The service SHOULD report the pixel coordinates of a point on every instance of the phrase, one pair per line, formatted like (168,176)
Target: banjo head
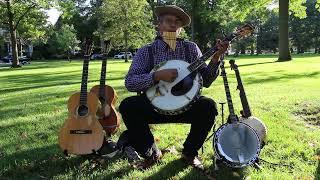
(161,96)
(237,144)
(257,125)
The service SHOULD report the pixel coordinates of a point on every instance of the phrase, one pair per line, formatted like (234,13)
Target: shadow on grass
(169,170)
(273,78)
(317,173)
(48,162)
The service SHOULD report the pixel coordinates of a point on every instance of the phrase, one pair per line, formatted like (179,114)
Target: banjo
(235,143)
(246,115)
(172,98)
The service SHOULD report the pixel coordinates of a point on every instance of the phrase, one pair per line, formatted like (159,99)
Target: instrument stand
(257,165)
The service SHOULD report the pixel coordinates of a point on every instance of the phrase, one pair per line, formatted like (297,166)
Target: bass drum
(258,126)
(236,144)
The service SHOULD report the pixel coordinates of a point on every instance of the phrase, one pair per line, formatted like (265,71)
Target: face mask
(171,39)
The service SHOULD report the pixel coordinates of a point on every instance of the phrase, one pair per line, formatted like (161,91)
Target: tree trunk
(126,35)
(259,51)
(284,53)
(192,19)
(13,37)
(252,49)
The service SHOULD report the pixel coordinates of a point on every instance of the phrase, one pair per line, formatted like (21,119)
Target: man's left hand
(222,47)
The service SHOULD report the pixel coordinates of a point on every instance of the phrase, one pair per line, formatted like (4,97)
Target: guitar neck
(227,89)
(243,97)
(103,78)
(84,81)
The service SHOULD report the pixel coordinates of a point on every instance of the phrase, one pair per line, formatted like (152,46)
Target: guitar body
(107,113)
(81,133)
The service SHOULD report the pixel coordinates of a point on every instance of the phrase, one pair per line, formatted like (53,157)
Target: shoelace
(131,154)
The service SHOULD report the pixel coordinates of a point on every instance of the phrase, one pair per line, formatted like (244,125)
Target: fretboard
(84,81)
(200,61)
(243,97)
(103,78)
(227,90)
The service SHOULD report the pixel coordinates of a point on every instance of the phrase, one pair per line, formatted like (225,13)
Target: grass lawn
(285,95)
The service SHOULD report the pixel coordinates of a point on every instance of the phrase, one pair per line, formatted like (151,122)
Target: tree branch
(25,13)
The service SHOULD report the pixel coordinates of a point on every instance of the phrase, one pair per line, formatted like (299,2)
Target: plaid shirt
(139,77)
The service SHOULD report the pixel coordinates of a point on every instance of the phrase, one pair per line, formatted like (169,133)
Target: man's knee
(127,104)
(208,105)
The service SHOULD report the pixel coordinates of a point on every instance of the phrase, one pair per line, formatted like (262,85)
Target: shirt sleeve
(139,77)
(209,72)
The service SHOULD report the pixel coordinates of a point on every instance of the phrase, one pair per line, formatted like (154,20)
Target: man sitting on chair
(137,111)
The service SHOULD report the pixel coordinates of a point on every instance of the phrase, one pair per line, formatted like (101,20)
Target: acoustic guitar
(82,133)
(107,114)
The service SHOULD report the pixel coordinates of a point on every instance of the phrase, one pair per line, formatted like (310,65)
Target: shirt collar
(163,45)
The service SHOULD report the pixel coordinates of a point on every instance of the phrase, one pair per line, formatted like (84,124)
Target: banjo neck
(244,101)
(233,117)
(239,33)
(201,61)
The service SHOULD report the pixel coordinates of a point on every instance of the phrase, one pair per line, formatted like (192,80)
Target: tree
(127,23)
(20,12)
(284,52)
(66,40)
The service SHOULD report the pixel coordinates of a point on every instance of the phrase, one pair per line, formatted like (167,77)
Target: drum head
(237,144)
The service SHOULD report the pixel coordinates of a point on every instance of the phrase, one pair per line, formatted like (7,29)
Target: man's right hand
(168,75)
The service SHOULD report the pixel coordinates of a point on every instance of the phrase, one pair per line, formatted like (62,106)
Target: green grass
(285,95)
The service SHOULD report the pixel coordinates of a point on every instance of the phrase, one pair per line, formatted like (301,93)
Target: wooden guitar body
(107,114)
(81,133)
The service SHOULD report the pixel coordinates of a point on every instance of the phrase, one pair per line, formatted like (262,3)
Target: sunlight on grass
(33,107)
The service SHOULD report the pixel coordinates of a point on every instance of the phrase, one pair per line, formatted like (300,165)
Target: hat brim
(174,10)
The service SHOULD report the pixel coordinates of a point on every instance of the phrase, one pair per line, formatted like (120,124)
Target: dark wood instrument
(232,116)
(246,114)
(82,133)
(107,114)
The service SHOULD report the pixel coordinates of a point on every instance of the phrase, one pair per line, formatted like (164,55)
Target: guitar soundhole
(183,86)
(102,100)
(82,110)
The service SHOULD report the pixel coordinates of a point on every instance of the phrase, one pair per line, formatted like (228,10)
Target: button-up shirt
(139,77)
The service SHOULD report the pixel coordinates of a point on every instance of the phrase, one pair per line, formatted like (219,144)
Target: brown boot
(151,160)
(194,161)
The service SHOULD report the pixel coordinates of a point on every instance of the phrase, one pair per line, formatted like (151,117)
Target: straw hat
(174,10)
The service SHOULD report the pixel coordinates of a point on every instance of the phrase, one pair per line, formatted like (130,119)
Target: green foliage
(133,17)
(29,17)
(65,39)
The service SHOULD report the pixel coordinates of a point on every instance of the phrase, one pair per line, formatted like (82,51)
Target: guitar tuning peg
(224,34)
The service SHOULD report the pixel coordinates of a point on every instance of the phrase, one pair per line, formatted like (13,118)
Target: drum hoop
(226,161)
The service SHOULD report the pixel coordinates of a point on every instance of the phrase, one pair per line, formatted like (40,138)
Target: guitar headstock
(106,46)
(244,31)
(88,47)
(233,65)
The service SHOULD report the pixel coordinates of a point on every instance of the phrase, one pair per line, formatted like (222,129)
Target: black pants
(137,113)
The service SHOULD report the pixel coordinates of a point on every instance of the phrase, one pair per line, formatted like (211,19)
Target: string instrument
(246,115)
(235,143)
(82,133)
(172,98)
(107,114)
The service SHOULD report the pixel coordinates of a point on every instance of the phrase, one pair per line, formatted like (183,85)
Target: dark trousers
(137,113)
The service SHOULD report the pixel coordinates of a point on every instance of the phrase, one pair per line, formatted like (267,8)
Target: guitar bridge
(80,131)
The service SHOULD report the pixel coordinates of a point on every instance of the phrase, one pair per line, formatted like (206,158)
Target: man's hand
(168,75)
(222,47)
